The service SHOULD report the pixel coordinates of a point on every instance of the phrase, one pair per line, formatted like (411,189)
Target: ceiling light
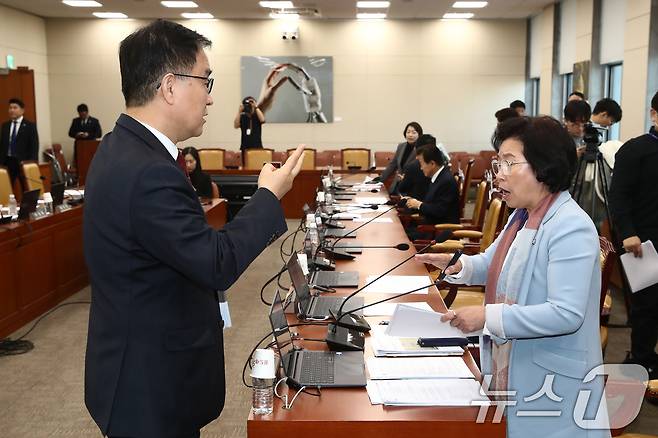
(82,3)
(370,16)
(284,16)
(276,5)
(110,15)
(458,15)
(179,4)
(470,5)
(197,15)
(373,4)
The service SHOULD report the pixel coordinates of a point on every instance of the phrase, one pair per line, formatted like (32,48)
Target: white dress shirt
(166,142)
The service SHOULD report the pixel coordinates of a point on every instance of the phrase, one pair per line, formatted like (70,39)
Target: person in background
(606,113)
(85,127)
(506,113)
(634,210)
(413,183)
(576,114)
(199,179)
(519,107)
(543,285)
(249,120)
(575,95)
(20,139)
(405,153)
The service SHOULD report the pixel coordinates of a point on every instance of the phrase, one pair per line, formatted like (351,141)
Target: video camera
(592,139)
(247,105)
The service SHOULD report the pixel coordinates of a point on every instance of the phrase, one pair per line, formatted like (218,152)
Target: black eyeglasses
(209,82)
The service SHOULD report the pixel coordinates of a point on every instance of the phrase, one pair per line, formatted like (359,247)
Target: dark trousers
(196,434)
(644,326)
(13,166)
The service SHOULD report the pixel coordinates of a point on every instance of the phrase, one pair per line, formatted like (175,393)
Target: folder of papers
(386,368)
(641,272)
(391,346)
(426,392)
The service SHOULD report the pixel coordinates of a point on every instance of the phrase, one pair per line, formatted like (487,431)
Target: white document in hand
(411,322)
(641,272)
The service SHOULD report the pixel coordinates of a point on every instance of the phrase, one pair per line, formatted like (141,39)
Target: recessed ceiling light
(469,5)
(373,4)
(179,4)
(82,3)
(276,5)
(458,15)
(280,16)
(197,15)
(110,15)
(370,16)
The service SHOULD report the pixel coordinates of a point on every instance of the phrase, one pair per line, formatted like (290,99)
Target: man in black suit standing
(85,127)
(154,365)
(440,204)
(20,140)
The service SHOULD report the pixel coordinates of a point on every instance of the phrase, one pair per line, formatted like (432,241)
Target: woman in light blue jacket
(543,279)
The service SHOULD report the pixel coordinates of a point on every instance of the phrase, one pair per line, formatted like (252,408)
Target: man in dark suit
(441,202)
(20,140)
(154,364)
(85,127)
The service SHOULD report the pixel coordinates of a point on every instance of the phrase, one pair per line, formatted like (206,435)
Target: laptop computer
(314,368)
(337,232)
(57,192)
(316,307)
(28,204)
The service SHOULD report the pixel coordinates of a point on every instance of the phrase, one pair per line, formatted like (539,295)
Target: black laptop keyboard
(317,368)
(325,304)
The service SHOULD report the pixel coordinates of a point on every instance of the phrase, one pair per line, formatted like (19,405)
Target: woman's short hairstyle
(547,146)
(416,126)
(192,151)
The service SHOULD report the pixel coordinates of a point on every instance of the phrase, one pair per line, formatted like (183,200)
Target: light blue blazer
(554,327)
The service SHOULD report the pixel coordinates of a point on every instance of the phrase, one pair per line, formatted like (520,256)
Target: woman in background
(404,154)
(200,180)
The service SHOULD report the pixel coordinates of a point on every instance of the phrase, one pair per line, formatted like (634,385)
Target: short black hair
(654,102)
(425,140)
(149,53)
(547,146)
(577,111)
(577,93)
(517,104)
(83,108)
(609,106)
(191,150)
(416,126)
(506,113)
(17,101)
(430,152)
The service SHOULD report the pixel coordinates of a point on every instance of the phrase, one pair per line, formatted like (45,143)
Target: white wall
(449,76)
(24,36)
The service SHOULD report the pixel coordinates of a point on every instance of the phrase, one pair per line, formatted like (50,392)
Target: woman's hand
(467,319)
(440,261)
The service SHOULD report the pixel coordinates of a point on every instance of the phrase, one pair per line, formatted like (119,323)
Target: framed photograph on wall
(581,77)
(290,89)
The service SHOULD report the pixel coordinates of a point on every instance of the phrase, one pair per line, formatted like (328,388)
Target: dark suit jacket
(415,183)
(441,203)
(27,141)
(155,364)
(92,127)
(396,163)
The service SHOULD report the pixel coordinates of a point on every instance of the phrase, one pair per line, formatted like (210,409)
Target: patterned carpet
(41,392)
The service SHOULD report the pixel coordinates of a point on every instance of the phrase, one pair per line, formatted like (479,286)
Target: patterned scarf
(500,353)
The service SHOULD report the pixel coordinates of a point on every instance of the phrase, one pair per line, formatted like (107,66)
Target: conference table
(348,411)
(42,262)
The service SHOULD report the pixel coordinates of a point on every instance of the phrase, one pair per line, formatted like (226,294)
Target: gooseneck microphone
(339,335)
(399,246)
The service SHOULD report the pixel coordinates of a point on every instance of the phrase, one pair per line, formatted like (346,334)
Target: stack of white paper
(387,309)
(379,219)
(397,284)
(385,368)
(372,200)
(426,392)
(409,321)
(391,346)
(641,272)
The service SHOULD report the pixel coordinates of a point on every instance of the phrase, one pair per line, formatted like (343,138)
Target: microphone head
(374,190)
(402,246)
(373,206)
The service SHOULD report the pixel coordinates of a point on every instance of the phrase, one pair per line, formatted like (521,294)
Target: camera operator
(606,113)
(249,119)
(576,114)
(634,209)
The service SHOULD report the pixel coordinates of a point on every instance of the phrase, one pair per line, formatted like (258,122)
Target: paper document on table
(387,309)
(641,272)
(427,392)
(377,200)
(411,322)
(391,346)
(386,220)
(397,284)
(345,216)
(418,368)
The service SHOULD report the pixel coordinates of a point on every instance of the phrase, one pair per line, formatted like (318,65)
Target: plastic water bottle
(313,235)
(263,396)
(13,206)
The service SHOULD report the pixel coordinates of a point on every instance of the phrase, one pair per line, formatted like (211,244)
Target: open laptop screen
(281,331)
(299,281)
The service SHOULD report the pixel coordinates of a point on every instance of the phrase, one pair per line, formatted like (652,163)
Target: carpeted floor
(41,392)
